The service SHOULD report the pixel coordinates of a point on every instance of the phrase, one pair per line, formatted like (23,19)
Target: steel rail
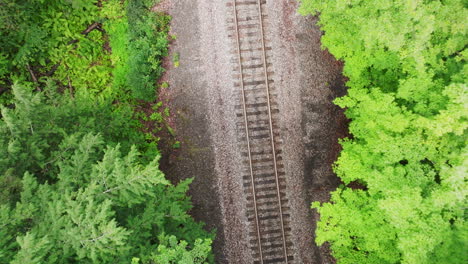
(247,136)
(267,87)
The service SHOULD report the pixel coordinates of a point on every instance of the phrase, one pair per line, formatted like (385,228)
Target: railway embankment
(252,102)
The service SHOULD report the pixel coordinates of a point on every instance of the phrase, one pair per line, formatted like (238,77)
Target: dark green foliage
(148,42)
(406,63)
(79,180)
(71,193)
(35,128)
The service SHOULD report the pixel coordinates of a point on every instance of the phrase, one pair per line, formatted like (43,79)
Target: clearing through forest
(252,102)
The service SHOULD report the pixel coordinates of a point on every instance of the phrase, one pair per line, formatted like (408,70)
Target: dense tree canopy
(79,178)
(407,102)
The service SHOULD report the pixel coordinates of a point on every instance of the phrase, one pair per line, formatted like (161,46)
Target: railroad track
(259,142)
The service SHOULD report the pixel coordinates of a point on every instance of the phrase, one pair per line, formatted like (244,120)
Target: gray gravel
(202,98)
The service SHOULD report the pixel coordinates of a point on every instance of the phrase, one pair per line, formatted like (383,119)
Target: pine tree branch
(57,157)
(112,189)
(121,186)
(92,240)
(33,76)
(70,87)
(95,25)
(52,70)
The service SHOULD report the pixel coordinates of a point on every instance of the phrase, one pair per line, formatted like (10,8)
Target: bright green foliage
(117,28)
(60,40)
(171,251)
(408,105)
(139,41)
(46,36)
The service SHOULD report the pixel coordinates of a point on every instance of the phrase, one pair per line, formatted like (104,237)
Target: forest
(79,172)
(407,101)
(81,123)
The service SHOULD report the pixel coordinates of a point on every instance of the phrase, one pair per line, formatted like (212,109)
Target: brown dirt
(163,6)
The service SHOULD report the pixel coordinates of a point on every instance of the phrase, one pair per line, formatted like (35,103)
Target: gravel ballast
(202,98)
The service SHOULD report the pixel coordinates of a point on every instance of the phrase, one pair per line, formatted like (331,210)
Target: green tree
(407,102)
(83,197)
(79,179)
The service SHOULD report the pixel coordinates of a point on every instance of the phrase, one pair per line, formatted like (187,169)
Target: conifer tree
(79,176)
(73,197)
